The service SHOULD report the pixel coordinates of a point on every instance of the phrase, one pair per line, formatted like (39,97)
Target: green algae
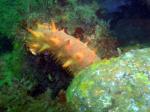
(11,64)
(118,85)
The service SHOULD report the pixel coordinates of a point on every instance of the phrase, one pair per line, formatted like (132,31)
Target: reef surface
(117,85)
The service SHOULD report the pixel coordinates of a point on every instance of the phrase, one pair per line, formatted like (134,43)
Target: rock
(117,85)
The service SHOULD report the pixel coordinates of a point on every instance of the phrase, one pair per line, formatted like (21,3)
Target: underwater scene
(74,55)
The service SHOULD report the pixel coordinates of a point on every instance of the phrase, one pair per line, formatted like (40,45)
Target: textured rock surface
(117,85)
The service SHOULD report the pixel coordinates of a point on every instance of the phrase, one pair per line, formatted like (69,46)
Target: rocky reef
(116,85)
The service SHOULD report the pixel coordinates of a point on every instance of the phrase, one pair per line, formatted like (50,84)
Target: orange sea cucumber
(69,51)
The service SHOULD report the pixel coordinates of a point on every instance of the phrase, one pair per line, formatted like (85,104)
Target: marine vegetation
(82,65)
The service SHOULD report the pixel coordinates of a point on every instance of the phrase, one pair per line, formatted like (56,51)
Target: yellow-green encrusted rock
(117,85)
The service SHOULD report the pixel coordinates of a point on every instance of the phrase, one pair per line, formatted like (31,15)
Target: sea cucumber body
(69,51)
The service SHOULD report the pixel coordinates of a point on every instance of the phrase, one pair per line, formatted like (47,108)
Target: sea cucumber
(69,51)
